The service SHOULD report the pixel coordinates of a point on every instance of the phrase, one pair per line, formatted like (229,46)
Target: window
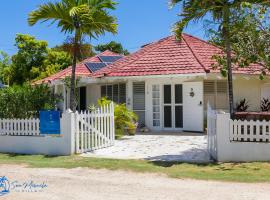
(167,99)
(216,93)
(156,105)
(139,101)
(178,88)
(115,92)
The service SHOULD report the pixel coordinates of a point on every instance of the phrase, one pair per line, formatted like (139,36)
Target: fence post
(113,128)
(68,130)
(223,134)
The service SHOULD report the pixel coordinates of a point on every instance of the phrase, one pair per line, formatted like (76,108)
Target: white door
(193,106)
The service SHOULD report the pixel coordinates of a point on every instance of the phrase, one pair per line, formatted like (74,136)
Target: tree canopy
(112,46)
(250,38)
(33,61)
(85,49)
(5,69)
(221,12)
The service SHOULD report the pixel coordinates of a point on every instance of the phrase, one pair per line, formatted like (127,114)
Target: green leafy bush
(124,117)
(26,101)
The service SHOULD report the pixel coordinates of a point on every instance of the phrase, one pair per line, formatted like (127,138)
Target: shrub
(124,117)
(26,101)
(265,105)
(242,106)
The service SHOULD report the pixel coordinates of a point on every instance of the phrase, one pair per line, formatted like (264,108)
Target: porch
(170,103)
(178,147)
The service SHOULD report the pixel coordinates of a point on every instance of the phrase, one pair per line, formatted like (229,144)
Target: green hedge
(26,101)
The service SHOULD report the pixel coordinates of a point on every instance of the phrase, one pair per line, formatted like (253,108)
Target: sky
(139,22)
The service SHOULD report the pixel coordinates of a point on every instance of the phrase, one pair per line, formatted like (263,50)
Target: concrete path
(177,147)
(85,184)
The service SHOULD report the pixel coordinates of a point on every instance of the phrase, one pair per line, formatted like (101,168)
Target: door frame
(172,104)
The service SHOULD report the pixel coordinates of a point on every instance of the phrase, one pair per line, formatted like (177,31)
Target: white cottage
(168,83)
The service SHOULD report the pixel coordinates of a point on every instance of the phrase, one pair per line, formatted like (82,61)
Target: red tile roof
(170,56)
(81,68)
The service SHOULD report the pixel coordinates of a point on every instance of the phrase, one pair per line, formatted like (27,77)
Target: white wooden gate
(212,132)
(95,129)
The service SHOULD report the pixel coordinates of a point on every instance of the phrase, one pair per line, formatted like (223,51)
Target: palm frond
(91,15)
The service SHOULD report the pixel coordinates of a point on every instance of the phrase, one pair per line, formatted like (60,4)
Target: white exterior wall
(249,87)
(45,145)
(250,90)
(149,107)
(228,151)
(59,89)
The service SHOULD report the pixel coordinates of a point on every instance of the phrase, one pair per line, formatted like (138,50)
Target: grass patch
(237,172)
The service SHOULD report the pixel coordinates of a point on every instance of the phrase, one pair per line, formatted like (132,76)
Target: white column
(129,94)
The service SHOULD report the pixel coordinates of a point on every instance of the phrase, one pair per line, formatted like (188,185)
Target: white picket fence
(249,131)
(211,132)
(19,127)
(94,130)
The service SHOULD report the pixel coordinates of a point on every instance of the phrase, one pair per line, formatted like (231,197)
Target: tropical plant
(220,12)
(26,101)
(81,18)
(242,105)
(265,105)
(124,117)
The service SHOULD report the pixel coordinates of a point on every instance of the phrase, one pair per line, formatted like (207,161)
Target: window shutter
(209,87)
(109,92)
(115,93)
(122,93)
(103,91)
(139,101)
(139,96)
(222,87)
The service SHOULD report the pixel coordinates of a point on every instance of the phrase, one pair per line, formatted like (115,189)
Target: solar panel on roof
(95,66)
(110,59)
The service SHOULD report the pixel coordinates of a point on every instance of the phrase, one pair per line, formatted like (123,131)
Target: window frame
(119,92)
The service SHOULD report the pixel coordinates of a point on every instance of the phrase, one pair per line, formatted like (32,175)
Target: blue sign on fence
(49,122)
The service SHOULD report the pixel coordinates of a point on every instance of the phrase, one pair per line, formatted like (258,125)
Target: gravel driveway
(85,184)
(182,147)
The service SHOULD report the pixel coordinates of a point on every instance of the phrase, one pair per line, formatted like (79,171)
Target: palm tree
(221,12)
(78,17)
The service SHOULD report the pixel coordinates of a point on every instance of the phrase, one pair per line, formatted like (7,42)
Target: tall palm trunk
(226,35)
(73,75)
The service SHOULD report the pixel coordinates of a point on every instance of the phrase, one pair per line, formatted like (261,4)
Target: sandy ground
(80,184)
(156,147)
